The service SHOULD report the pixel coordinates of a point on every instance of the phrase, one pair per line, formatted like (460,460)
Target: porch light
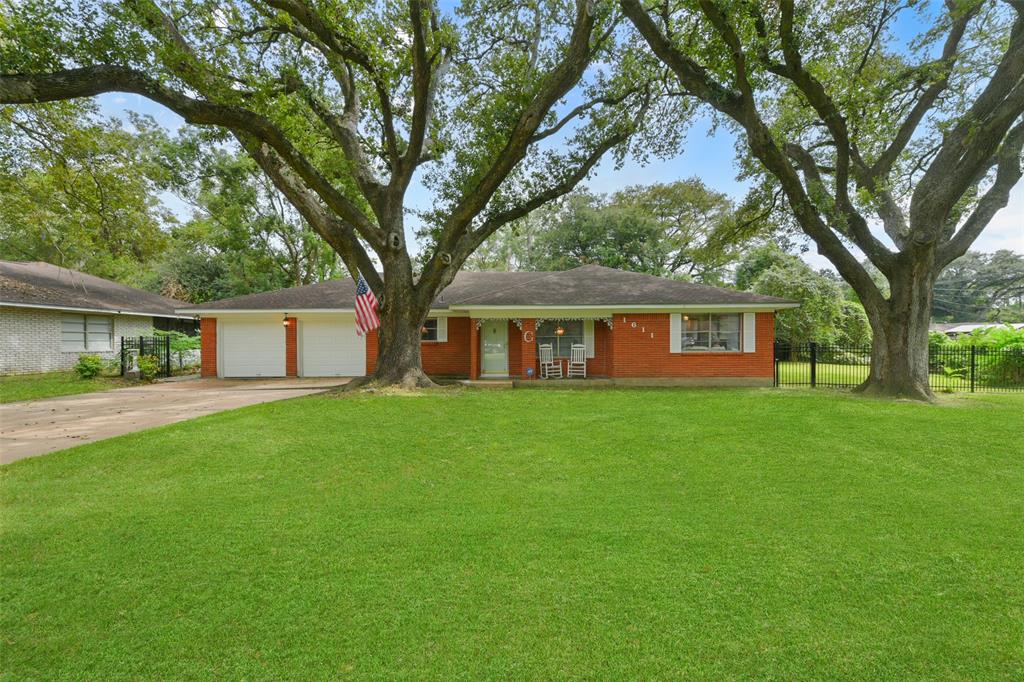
(285,320)
(559,331)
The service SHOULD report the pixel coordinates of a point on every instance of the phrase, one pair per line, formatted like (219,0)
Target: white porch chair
(578,361)
(549,367)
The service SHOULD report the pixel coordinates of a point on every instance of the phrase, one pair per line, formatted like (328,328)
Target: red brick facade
(643,351)
(291,347)
(208,347)
(622,351)
(449,359)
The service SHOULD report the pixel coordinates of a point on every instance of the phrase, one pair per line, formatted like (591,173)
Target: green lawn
(50,385)
(797,373)
(528,534)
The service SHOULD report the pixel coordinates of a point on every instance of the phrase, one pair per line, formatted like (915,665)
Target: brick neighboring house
(50,315)
(636,329)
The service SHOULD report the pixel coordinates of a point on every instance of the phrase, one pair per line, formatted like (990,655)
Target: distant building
(955,329)
(51,315)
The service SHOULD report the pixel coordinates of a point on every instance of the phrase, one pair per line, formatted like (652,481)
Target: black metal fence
(950,368)
(133,347)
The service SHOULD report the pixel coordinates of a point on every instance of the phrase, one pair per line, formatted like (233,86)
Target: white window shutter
(588,337)
(749,332)
(675,333)
(442,329)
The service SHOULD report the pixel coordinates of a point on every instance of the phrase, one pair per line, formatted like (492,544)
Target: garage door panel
(331,347)
(253,348)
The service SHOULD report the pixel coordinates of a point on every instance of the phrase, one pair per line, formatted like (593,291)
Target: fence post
(973,364)
(122,357)
(775,361)
(814,364)
(167,356)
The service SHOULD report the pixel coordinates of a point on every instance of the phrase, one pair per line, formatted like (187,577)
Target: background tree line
(93,194)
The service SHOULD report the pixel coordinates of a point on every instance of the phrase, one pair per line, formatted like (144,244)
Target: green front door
(494,347)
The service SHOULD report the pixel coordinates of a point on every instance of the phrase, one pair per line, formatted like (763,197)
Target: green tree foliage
(821,302)
(680,229)
(343,105)
(981,287)
(824,315)
(79,191)
(864,127)
(243,236)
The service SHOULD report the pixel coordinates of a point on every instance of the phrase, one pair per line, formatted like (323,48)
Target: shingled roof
(50,286)
(588,285)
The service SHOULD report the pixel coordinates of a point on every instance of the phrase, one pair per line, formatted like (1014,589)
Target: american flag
(366,308)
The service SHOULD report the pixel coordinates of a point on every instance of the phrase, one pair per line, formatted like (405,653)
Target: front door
(494,348)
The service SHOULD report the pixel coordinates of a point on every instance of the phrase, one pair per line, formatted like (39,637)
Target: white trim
(749,332)
(502,311)
(210,312)
(597,311)
(442,329)
(100,311)
(588,337)
(675,333)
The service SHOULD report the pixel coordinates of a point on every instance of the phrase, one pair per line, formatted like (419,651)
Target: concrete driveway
(38,427)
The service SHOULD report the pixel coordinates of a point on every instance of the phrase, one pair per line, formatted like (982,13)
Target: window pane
(70,341)
(693,323)
(99,324)
(725,333)
(429,330)
(725,323)
(561,345)
(72,332)
(695,340)
(711,332)
(98,341)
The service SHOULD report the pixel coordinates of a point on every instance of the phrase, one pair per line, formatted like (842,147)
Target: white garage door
(253,348)
(331,347)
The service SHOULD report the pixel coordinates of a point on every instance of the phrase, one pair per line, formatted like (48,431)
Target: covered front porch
(510,347)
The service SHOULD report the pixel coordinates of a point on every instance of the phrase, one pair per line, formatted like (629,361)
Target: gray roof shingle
(587,285)
(43,284)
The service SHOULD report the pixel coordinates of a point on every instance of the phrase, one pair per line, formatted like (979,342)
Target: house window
(714,332)
(561,344)
(428,332)
(86,332)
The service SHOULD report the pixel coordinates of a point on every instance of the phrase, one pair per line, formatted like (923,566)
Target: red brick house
(635,328)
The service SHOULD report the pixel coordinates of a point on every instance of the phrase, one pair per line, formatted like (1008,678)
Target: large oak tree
(867,134)
(341,104)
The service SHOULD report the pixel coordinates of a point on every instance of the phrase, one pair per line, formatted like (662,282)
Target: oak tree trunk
(399,362)
(398,356)
(899,348)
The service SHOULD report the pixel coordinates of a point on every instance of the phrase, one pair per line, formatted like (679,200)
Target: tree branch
(1008,173)
(335,232)
(882,166)
(95,80)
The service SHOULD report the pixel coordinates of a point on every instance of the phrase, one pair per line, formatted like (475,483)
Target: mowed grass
(17,387)
(795,373)
(528,534)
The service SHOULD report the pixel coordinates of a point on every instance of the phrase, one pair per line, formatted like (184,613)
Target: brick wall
(597,366)
(291,347)
(643,351)
(450,359)
(30,339)
(208,347)
(515,350)
(623,351)
(371,352)
(440,359)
